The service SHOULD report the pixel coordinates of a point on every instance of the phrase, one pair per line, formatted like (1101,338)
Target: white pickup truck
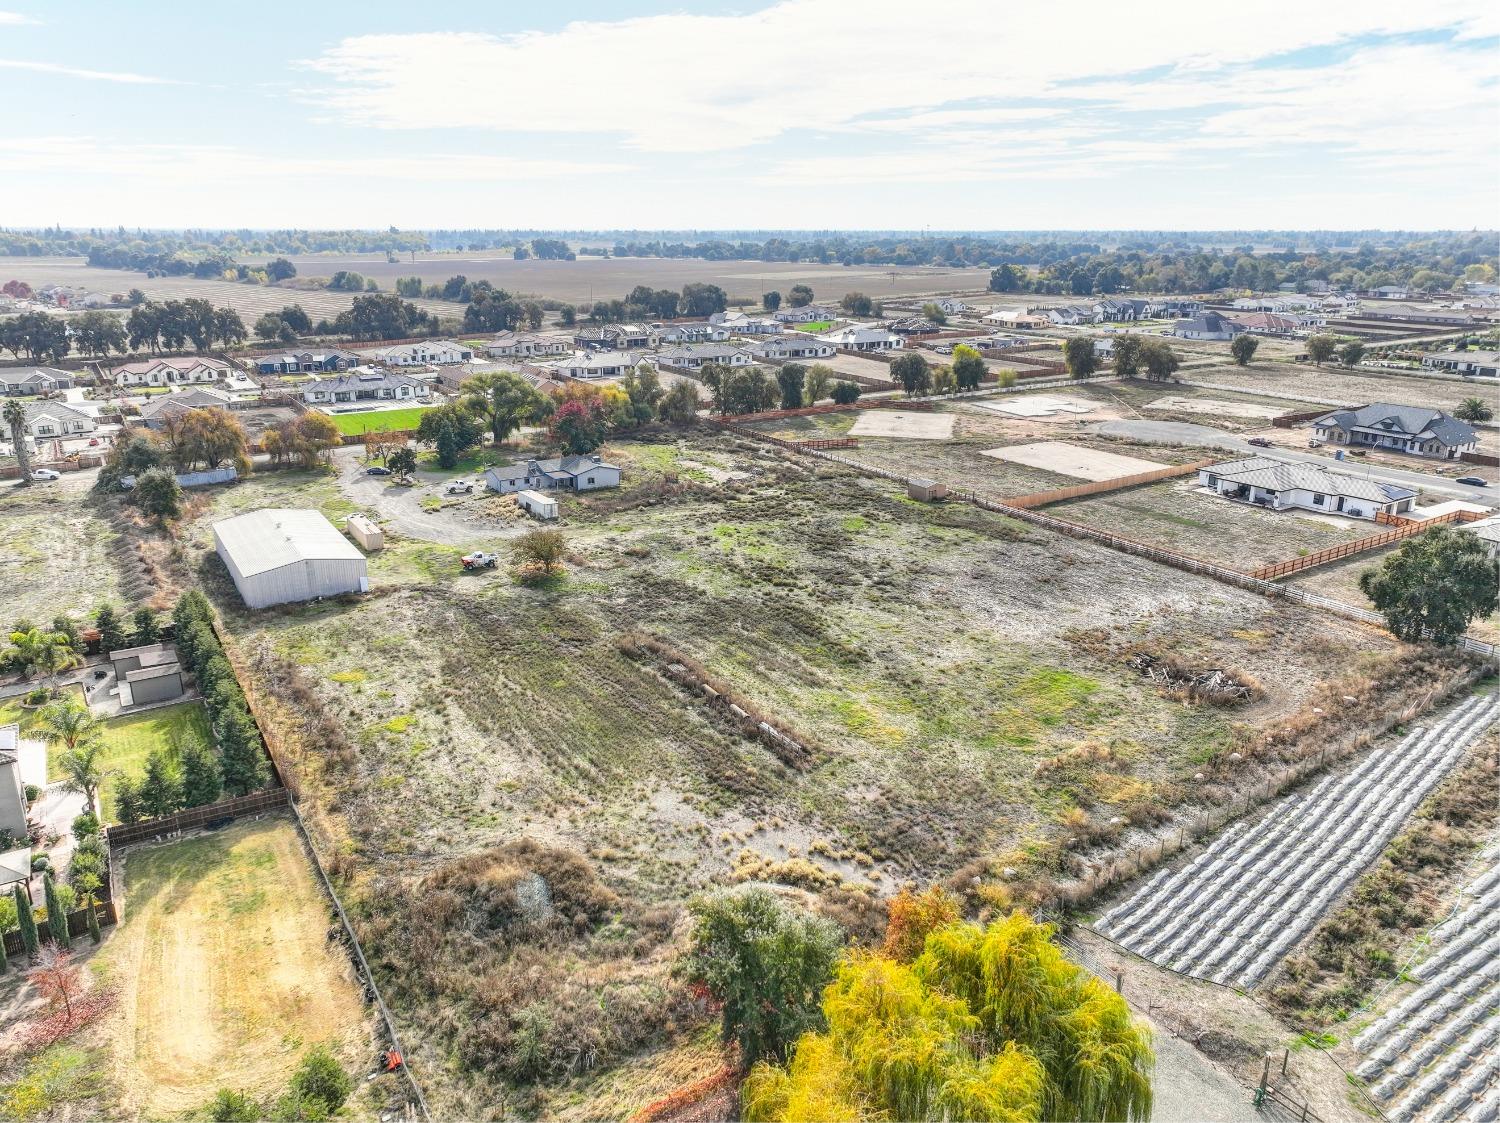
(479,559)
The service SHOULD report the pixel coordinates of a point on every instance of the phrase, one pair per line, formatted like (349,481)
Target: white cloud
(682,83)
(95,75)
(16,19)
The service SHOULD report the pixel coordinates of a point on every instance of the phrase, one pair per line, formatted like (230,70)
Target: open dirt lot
(1034,406)
(1178,515)
(896,423)
(225,976)
(1351,387)
(1073,460)
(58,553)
(1217,407)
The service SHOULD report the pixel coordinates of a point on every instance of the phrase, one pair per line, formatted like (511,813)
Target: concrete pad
(1443,508)
(899,423)
(1073,460)
(1037,405)
(32,758)
(1214,407)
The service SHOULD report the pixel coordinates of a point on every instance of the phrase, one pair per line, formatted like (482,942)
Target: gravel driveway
(400,508)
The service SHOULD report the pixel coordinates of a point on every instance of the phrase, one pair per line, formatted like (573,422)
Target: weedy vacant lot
(527,783)
(224,972)
(1351,387)
(1178,515)
(58,553)
(1340,580)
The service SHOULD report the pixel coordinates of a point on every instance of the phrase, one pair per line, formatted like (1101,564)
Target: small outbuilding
(283,555)
(364,531)
(151,684)
(537,505)
(926,491)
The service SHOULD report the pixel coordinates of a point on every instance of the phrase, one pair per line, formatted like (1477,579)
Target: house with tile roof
(170,372)
(1391,428)
(1282,486)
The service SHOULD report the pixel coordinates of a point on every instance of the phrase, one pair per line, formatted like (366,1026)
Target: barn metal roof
(278,536)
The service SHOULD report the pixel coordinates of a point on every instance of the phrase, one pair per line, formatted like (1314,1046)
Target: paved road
(1181,432)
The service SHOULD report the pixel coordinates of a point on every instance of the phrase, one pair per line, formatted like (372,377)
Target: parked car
(479,559)
(1473,481)
(1261,442)
(377,470)
(45,474)
(460,487)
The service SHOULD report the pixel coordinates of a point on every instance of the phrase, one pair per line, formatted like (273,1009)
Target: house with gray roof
(13,805)
(1488,532)
(34,380)
(1282,486)
(364,384)
(1485,364)
(307,362)
(48,420)
(791,346)
(696,356)
(586,364)
(1208,325)
(1414,429)
(155,411)
(559,473)
(692,333)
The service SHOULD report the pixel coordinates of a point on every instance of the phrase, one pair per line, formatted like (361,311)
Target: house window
(1317,500)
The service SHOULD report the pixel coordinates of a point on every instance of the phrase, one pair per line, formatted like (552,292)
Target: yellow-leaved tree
(986,1024)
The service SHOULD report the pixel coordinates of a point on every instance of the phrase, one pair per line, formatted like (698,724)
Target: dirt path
(225,974)
(401,507)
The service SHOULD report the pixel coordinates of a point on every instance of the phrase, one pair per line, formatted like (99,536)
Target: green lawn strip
(378,421)
(12,712)
(816,326)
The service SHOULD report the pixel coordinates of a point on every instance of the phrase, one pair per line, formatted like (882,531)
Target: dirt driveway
(401,508)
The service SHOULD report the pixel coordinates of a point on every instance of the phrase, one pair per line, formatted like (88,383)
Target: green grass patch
(348,676)
(52,1080)
(130,739)
(379,421)
(816,326)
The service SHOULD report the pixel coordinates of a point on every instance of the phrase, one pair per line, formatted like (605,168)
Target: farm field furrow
(1240,905)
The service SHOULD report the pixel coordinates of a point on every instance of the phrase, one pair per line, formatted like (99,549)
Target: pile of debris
(1215,686)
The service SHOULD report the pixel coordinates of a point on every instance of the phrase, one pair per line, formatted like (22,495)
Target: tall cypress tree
(201,781)
(244,764)
(28,922)
(57,920)
(93,907)
(4,959)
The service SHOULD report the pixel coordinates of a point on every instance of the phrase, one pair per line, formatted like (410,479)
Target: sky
(804,114)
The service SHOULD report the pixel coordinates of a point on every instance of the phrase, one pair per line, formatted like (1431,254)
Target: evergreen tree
(128,801)
(243,762)
(146,629)
(27,920)
(202,782)
(161,791)
(111,633)
(57,920)
(4,959)
(92,904)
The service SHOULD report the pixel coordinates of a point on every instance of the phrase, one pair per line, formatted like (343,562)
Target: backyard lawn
(816,326)
(128,740)
(379,421)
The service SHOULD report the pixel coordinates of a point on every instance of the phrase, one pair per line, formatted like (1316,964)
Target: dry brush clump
(518,963)
(1175,677)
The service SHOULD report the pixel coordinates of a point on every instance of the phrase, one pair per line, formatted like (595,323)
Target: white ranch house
(692,333)
(738,323)
(698,356)
(1280,486)
(170,372)
(859,338)
(429,352)
(49,421)
(1413,429)
(1485,364)
(365,385)
(793,346)
(559,473)
(523,345)
(34,380)
(807,314)
(587,364)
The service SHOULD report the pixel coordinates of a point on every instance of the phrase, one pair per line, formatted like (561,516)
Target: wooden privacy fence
(1480,458)
(78,925)
(1292,420)
(1347,549)
(1098,487)
(256,803)
(831,442)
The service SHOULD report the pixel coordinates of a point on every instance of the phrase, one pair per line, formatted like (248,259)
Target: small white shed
(539,505)
(366,533)
(280,555)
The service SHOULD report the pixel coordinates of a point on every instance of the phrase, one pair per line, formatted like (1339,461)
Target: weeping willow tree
(987,1024)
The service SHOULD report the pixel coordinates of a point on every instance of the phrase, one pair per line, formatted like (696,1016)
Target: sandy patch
(1038,405)
(1073,460)
(1214,406)
(899,423)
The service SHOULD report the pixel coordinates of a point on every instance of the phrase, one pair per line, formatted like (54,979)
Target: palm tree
(1473,409)
(48,652)
(15,417)
(71,725)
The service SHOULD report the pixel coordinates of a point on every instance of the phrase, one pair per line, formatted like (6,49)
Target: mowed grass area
(379,421)
(225,976)
(815,326)
(13,712)
(130,739)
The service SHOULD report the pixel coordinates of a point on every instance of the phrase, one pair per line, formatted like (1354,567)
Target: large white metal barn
(280,555)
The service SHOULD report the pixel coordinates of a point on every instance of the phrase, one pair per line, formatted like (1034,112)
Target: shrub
(321,1078)
(229,1106)
(86,825)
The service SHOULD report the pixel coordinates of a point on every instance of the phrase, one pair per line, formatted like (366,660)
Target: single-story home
(523,345)
(1020,318)
(151,673)
(807,314)
(738,323)
(13,805)
(34,380)
(1268,323)
(617,337)
(700,355)
(1208,325)
(1116,310)
(792,346)
(363,385)
(1415,429)
(48,420)
(306,362)
(1483,363)
(1308,487)
(429,352)
(857,337)
(1488,532)
(670,334)
(586,364)
(281,555)
(913,325)
(170,372)
(156,410)
(572,473)
(952,306)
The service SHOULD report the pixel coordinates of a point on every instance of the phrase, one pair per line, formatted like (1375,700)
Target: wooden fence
(1294,419)
(77,464)
(1348,549)
(1480,458)
(194,818)
(78,925)
(1098,487)
(830,442)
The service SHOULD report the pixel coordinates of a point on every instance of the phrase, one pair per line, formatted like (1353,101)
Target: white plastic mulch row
(1245,901)
(1435,1055)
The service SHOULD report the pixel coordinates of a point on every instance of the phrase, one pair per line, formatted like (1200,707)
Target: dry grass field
(225,976)
(58,554)
(959,681)
(1354,387)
